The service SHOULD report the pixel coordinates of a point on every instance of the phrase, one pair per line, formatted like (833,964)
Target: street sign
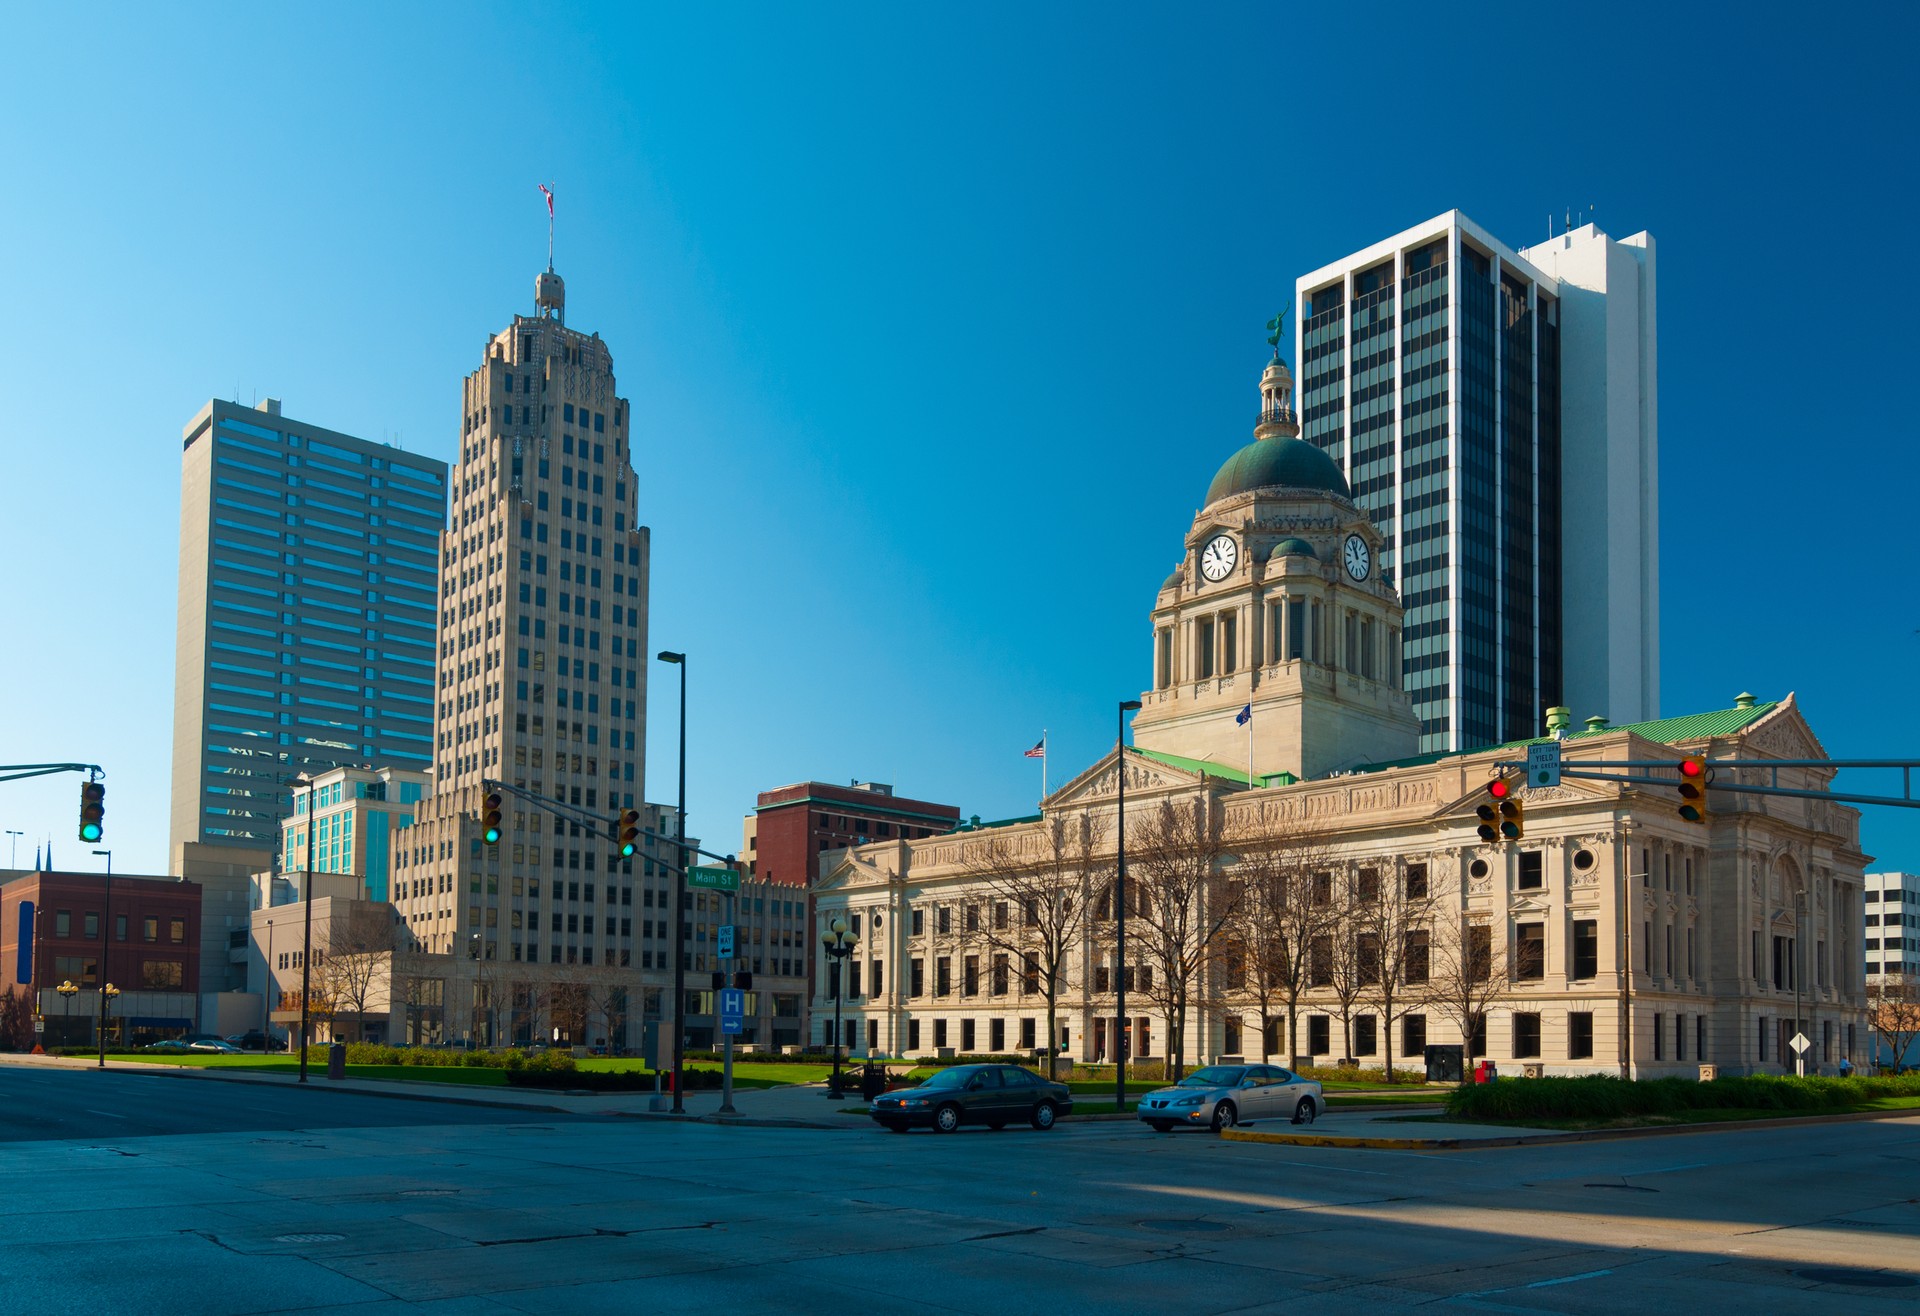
(1543,764)
(39,1025)
(714,879)
(733,1009)
(726,941)
(1799,1044)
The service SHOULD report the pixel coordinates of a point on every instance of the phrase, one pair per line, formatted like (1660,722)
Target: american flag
(1039,751)
(1244,716)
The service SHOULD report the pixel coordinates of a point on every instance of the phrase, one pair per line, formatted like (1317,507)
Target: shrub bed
(603,1080)
(1604,1097)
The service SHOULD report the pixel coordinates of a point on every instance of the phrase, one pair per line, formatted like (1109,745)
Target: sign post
(1800,1045)
(714,879)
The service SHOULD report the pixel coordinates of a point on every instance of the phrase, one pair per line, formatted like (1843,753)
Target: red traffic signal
(1693,788)
(93,810)
(1501,816)
(490,817)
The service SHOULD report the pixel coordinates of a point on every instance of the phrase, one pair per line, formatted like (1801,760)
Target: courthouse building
(1612,936)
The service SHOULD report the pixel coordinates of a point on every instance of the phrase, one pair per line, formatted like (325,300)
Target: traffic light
(1693,788)
(93,810)
(719,981)
(490,817)
(743,980)
(629,832)
(1502,817)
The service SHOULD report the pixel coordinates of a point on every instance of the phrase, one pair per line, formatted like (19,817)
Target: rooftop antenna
(547,192)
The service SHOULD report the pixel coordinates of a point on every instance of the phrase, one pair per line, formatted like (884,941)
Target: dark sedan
(993,1095)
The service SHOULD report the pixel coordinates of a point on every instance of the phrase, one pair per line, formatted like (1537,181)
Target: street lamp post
(680,902)
(269,982)
(107,993)
(13,860)
(839,943)
(67,992)
(1120,903)
(106,945)
(306,936)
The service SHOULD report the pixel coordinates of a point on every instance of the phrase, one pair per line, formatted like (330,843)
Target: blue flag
(1246,716)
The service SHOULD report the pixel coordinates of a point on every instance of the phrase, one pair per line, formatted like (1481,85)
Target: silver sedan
(1221,1096)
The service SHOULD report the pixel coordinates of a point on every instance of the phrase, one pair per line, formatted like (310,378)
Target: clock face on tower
(1218,557)
(1356,557)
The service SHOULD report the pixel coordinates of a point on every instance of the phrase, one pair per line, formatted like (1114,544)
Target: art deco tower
(542,677)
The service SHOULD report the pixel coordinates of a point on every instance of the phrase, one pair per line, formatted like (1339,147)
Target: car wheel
(1304,1113)
(1161,1126)
(946,1119)
(1225,1116)
(1043,1116)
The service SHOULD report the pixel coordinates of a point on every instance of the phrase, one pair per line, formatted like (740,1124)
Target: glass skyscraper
(307,609)
(1431,369)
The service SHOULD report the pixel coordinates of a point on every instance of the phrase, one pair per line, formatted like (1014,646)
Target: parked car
(993,1095)
(215,1045)
(176,1045)
(256,1041)
(1221,1096)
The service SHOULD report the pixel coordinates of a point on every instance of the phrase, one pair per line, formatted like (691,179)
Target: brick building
(792,826)
(139,934)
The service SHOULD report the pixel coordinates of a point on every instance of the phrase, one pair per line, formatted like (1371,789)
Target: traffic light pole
(21,771)
(1906,767)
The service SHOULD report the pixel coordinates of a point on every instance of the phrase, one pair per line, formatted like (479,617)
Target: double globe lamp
(839,943)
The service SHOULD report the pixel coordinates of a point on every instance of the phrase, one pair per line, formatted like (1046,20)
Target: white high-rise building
(1495,413)
(1892,924)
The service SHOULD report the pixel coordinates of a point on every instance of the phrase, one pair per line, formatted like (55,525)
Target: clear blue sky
(935,323)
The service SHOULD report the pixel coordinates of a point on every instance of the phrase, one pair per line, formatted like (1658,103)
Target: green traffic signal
(490,819)
(93,810)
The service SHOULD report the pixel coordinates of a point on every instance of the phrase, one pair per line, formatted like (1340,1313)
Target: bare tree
(1352,956)
(1035,905)
(356,967)
(1182,905)
(1398,923)
(1277,919)
(568,1003)
(608,1001)
(1469,974)
(1893,1010)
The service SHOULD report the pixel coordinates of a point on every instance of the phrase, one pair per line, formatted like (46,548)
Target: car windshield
(1213,1076)
(949,1078)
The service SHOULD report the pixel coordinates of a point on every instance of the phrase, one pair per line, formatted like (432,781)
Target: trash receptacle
(1444,1063)
(873,1081)
(1485,1072)
(337,1060)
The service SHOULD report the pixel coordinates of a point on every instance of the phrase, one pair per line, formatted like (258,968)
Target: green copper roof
(1206,766)
(1665,730)
(1288,547)
(1271,463)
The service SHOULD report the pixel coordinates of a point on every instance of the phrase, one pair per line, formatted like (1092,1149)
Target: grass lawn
(291,1064)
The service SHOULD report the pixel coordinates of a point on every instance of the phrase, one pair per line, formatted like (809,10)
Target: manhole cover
(1184,1226)
(1864,1279)
(1624,1187)
(311,1238)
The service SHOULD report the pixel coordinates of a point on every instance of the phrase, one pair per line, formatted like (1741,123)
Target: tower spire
(1277,420)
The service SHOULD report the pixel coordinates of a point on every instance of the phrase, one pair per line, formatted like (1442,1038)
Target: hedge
(1604,1097)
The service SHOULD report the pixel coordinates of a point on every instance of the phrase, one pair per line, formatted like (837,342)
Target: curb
(1559,1136)
(324,1085)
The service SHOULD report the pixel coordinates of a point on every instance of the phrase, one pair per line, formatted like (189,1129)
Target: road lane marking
(109,1114)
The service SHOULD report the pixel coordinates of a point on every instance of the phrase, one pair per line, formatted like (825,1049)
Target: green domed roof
(1269,463)
(1289,547)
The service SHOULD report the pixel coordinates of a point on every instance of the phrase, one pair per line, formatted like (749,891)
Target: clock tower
(1277,606)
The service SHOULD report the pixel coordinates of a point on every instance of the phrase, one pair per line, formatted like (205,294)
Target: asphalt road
(489,1212)
(38,1105)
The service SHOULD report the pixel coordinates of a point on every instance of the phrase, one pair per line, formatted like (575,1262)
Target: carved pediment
(1529,905)
(1101,782)
(1784,734)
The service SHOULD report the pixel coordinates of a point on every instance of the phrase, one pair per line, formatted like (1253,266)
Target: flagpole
(1043,765)
(1249,752)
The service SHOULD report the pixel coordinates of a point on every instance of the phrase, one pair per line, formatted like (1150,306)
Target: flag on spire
(1039,751)
(547,192)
